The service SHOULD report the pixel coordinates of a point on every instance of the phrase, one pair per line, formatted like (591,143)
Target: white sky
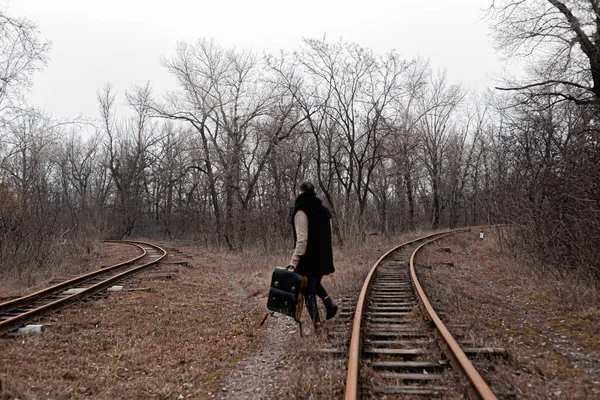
(121,41)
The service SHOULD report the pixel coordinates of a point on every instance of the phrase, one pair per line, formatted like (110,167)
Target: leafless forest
(390,143)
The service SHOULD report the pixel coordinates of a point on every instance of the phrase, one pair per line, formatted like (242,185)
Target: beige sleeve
(301,225)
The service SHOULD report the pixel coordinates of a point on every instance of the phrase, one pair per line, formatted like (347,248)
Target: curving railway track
(398,340)
(17,312)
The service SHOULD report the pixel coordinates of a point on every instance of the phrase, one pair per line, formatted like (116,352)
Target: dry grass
(180,339)
(187,336)
(64,262)
(548,325)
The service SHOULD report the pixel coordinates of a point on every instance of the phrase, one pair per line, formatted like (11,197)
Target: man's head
(307,186)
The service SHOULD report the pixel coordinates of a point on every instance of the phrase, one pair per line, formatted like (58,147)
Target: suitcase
(286,295)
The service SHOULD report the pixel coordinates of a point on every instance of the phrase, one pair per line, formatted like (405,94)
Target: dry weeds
(184,338)
(66,263)
(193,336)
(180,339)
(550,327)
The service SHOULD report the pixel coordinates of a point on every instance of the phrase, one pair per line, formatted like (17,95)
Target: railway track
(399,347)
(15,313)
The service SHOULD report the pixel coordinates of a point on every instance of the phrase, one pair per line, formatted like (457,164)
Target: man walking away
(313,254)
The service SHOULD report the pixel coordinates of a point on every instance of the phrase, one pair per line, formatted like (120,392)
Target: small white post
(31,329)
(481,235)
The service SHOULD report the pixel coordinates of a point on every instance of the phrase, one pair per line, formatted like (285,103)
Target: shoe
(330,307)
(317,326)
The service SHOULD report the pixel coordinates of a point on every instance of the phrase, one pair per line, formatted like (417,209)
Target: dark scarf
(306,202)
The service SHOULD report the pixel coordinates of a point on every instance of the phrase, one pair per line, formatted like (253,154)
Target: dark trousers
(314,289)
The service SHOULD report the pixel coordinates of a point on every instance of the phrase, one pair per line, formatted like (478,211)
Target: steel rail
(452,349)
(354,352)
(49,291)
(11,323)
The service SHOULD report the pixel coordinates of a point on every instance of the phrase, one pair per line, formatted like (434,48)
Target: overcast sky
(121,41)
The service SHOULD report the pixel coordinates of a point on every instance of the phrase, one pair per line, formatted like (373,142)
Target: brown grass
(188,334)
(64,262)
(548,325)
(180,339)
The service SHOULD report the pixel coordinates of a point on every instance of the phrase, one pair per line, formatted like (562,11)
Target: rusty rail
(354,352)
(9,324)
(21,301)
(451,348)
(457,360)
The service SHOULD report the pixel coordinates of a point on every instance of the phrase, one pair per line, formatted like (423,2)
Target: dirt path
(255,376)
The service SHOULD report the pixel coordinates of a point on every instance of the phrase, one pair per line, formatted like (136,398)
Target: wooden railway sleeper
(403,353)
(408,365)
(405,376)
(410,390)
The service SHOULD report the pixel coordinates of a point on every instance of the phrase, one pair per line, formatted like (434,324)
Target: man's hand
(291,267)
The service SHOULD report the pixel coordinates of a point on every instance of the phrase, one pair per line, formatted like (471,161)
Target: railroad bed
(17,312)
(399,347)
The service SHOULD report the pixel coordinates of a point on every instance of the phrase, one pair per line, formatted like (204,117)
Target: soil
(197,335)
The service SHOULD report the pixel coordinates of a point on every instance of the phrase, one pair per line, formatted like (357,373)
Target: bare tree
(21,54)
(345,92)
(438,105)
(240,118)
(461,158)
(27,168)
(405,140)
(128,143)
(563,35)
(312,100)
(196,68)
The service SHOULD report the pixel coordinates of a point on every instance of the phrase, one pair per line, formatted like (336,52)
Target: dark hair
(307,186)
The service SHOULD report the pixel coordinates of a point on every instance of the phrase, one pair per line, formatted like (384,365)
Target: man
(313,254)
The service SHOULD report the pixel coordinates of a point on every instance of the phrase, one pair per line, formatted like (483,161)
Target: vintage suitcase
(286,293)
